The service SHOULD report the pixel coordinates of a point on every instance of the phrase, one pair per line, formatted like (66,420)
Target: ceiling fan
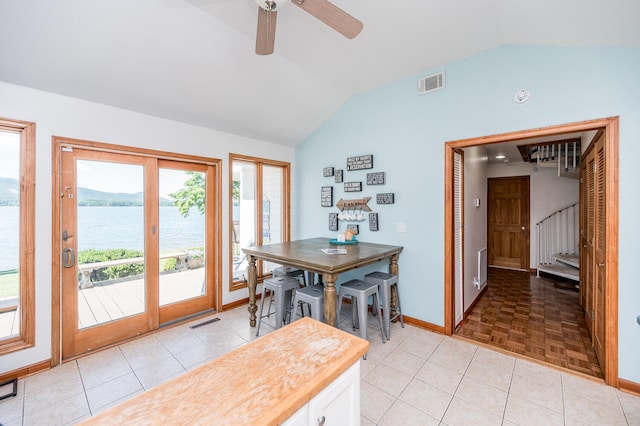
(324,10)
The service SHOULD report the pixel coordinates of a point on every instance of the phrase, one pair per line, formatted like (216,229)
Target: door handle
(524,228)
(68,257)
(601,264)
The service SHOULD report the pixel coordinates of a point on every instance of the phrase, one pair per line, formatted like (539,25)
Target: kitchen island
(300,374)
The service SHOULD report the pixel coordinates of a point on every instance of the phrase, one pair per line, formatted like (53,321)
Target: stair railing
(558,233)
(565,155)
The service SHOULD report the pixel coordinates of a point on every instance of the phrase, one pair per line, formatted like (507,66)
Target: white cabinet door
(299,418)
(338,403)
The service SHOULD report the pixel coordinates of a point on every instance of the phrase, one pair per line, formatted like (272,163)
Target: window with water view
(260,195)
(17,186)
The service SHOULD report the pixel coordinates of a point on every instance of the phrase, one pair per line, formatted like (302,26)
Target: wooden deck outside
(9,323)
(110,301)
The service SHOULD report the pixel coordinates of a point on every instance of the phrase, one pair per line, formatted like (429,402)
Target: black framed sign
(373,221)
(338,176)
(327,171)
(352,186)
(355,228)
(385,198)
(360,162)
(333,221)
(326,196)
(376,178)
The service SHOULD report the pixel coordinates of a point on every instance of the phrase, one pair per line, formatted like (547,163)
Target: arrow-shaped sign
(359,204)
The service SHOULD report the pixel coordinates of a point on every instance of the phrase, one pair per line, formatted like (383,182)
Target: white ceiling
(194,61)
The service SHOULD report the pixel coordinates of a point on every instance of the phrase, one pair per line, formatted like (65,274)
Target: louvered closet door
(584,220)
(593,256)
(588,190)
(599,251)
(458,234)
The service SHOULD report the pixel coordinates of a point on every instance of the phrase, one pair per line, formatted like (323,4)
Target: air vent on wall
(431,83)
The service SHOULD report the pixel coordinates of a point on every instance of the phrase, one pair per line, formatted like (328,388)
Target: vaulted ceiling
(194,61)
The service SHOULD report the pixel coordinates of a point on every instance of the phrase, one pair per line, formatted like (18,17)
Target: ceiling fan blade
(266,34)
(332,15)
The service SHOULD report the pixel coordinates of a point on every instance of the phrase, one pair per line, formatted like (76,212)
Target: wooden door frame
(610,126)
(56,289)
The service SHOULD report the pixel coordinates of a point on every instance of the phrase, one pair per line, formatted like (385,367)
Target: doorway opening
(608,268)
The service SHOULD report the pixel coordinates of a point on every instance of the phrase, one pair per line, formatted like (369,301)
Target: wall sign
(326,196)
(375,178)
(327,171)
(385,198)
(359,204)
(338,176)
(355,228)
(333,221)
(373,221)
(360,162)
(352,186)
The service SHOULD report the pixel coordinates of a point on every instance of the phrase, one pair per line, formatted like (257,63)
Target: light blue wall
(406,134)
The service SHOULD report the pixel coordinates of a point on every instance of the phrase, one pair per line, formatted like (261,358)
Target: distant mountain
(90,197)
(9,192)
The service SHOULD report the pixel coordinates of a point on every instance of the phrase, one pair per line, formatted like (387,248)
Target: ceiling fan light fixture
(323,10)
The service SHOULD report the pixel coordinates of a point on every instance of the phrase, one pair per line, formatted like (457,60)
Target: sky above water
(97,175)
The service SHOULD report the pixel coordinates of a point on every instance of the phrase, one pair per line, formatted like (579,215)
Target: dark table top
(307,254)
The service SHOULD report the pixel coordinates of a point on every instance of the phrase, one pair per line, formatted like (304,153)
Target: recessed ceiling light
(500,156)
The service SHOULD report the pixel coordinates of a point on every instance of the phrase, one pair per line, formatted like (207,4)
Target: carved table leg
(393,269)
(252,284)
(330,298)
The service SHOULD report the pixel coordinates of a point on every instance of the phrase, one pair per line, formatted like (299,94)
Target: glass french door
(187,210)
(106,248)
(133,255)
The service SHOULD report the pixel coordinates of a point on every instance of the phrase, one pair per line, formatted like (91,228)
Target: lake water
(111,227)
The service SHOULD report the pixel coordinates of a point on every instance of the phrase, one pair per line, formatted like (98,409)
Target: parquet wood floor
(540,318)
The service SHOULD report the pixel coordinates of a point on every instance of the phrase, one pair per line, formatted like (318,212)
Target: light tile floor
(416,378)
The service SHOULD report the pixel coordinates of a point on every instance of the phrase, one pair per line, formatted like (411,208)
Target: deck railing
(87,269)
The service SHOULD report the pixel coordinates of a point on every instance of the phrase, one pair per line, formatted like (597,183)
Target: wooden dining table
(307,255)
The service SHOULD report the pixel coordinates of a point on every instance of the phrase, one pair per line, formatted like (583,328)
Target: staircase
(558,233)
(565,156)
(558,243)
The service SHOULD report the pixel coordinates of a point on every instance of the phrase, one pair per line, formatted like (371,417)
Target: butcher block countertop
(263,382)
